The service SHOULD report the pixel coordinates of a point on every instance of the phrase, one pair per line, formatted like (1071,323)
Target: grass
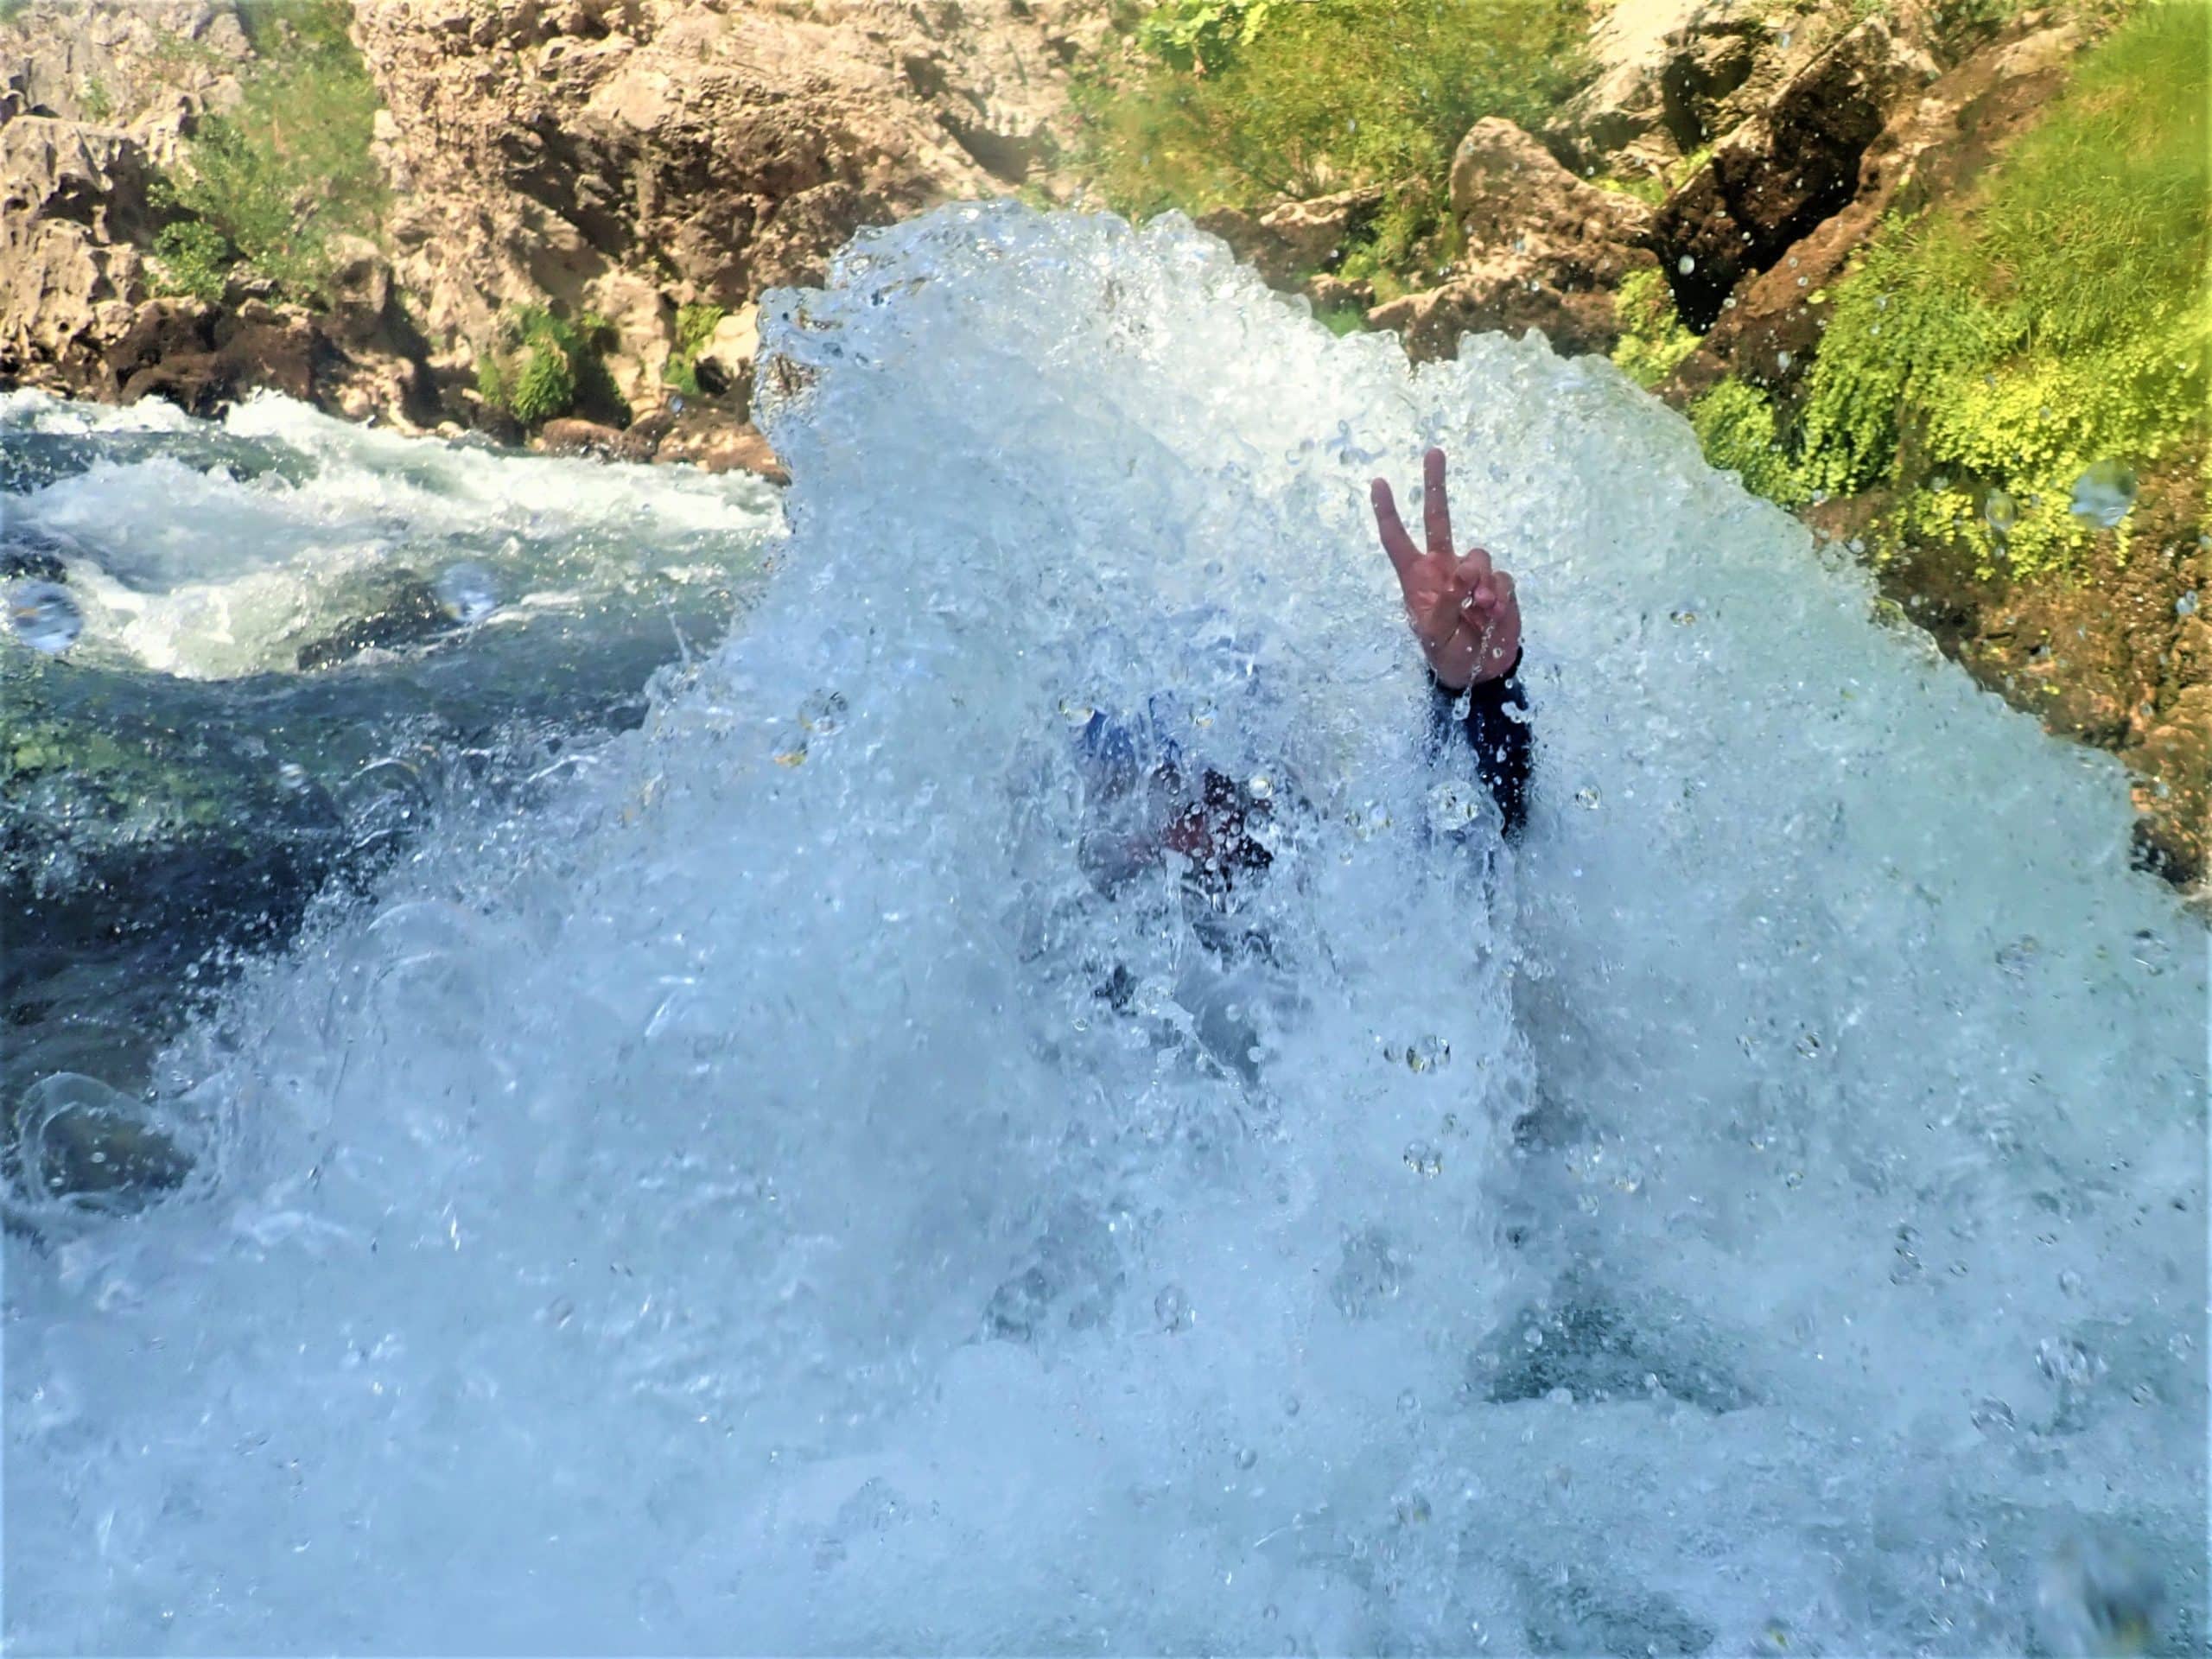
(1237,102)
(2055,316)
(268,183)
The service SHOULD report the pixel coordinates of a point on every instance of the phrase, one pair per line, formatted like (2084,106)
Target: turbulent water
(282,642)
(786,1190)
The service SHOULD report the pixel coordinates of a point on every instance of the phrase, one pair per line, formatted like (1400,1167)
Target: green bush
(540,367)
(193,257)
(1653,339)
(2055,316)
(695,327)
(289,167)
(1236,101)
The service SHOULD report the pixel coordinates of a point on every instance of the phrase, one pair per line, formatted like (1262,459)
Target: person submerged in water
(1467,617)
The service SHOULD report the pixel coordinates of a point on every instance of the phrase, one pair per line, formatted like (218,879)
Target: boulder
(715,442)
(1543,250)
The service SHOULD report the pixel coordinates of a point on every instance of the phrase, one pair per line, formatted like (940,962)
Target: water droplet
(1686,265)
(2104,492)
(1998,508)
(1533,1336)
(2071,1282)
(1261,787)
(1783,360)
(1172,1309)
(467,592)
(2186,604)
(44,616)
(1290,1405)
(1246,1457)
(822,713)
(791,752)
(1424,1159)
(1993,1416)
(1408,1402)
(1588,797)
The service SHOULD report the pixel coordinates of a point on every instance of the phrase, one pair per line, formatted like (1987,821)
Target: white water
(212,552)
(715,1213)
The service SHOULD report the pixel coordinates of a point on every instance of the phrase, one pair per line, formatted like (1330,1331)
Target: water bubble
(2186,604)
(1588,797)
(44,616)
(1408,1402)
(2104,492)
(2071,1282)
(1172,1309)
(823,714)
(1246,1457)
(1686,265)
(1998,509)
(1783,360)
(467,592)
(1423,1159)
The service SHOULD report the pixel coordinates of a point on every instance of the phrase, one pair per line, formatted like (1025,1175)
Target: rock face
(94,97)
(629,156)
(101,96)
(1543,250)
(1935,141)
(1786,170)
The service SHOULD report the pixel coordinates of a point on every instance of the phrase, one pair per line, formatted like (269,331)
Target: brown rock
(1786,170)
(716,442)
(586,153)
(1431,321)
(1933,143)
(1543,250)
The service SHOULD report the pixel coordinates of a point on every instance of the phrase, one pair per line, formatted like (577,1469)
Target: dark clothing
(1497,725)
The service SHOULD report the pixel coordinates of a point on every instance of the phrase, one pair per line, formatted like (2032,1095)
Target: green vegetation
(1234,102)
(1653,339)
(695,327)
(2056,317)
(540,367)
(194,259)
(267,184)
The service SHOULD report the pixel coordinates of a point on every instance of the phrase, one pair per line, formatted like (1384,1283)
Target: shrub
(193,257)
(1236,101)
(540,367)
(277,176)
(695,327)
(2055,317)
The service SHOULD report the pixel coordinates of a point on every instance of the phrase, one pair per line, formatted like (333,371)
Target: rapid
(759,1190)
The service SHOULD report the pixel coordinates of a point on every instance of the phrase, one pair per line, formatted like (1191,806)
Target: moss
(2056,317)
(289,167)
(1653,339)
(695,327)
(1736,425)
(540,367)
(1240,103)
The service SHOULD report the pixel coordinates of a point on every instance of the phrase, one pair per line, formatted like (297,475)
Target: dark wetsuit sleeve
(1497,725)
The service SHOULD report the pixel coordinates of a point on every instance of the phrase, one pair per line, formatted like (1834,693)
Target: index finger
(1436,511)
(1395,542)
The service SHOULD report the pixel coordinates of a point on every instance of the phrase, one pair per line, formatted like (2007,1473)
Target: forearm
(1497,726)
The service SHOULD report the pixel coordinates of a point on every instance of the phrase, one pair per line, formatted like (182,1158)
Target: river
(753,1187)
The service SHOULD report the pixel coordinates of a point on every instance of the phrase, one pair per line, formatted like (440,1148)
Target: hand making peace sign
(1463,609)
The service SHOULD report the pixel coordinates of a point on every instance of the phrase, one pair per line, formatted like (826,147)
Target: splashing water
(809,1207)
(43,616)
(2104,493)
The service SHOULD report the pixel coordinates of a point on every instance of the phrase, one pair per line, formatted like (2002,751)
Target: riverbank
(551,225)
